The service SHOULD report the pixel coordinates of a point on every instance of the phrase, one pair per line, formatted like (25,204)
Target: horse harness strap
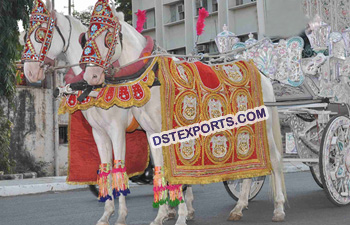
(124,79)
(85,87)
(65,48)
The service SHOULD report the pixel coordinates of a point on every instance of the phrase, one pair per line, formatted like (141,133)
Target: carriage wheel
(233,187)
(335,160)
(315,172)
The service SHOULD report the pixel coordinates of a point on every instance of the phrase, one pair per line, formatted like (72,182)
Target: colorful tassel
(159,187)
(141,19)
(202,14)
(104,182)
(175,195)
(120,179)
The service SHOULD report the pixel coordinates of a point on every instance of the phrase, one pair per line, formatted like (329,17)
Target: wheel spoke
(334,152)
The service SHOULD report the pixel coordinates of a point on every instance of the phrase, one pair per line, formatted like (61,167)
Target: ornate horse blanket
(195,92)
(83,157)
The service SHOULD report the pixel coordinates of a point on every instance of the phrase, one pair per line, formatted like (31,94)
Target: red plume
(202,14)
(141,19)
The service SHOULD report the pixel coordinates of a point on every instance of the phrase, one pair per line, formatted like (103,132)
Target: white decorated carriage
(312,88)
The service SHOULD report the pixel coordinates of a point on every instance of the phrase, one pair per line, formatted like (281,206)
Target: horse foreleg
(189,200)
(157,156)
(120,178)
(122,211)
(236,213)
(105,151)
(277,175)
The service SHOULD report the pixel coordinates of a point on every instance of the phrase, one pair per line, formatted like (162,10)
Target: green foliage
(122,6)
(11,11)
(84,16)
(5,133)
(125,7)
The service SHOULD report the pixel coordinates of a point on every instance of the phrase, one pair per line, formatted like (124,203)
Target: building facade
(172,23)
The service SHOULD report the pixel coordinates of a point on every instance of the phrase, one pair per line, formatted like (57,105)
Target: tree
(11,11)
(125,7)
(84,16)
(122,5)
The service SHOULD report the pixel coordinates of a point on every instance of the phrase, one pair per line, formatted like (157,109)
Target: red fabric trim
(84,158)
(208,76)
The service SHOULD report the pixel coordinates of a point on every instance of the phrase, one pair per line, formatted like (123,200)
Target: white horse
(108,130)
(149,117)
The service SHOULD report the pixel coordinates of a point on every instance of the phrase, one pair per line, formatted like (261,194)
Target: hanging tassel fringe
(159,187)
(175,195)
(120,179)
(104,182)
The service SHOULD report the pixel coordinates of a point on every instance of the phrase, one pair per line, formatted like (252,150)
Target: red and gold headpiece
(102,19)
(39,16)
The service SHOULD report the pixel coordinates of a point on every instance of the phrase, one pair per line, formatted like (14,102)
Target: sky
(61,6)
(79,5)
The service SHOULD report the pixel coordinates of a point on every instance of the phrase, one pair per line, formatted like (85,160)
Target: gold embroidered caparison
(195,92)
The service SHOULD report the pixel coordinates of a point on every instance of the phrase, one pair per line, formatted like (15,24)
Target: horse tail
(276,130)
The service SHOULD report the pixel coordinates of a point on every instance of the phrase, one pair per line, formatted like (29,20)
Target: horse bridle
(65,48)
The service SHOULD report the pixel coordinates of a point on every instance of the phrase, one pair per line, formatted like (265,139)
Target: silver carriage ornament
(346,38)
(226,40)
(318,34)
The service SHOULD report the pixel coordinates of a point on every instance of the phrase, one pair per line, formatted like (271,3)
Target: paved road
(307,205)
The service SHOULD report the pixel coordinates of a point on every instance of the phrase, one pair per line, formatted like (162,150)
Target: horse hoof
(235,216)
(180,224)
(120,224)
(156,223)
(102,223)
(190,216)
(171,216)
(278,217)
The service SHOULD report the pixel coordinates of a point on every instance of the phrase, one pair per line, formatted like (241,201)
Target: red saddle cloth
(83,155)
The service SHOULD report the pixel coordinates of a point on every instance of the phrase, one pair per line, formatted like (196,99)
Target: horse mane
(77,24)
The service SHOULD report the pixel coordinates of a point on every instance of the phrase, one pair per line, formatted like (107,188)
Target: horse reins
(65,48)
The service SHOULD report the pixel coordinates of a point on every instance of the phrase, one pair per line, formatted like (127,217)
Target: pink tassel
(141,19)
(175,194)
(120,179)
(159,187)
(104,182)
(202,14)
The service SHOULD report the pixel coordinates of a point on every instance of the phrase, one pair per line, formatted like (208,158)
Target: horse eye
(108,39)
(40,35)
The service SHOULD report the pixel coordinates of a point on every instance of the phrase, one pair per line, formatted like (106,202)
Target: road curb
(35,186)
(7,191)
(52,184)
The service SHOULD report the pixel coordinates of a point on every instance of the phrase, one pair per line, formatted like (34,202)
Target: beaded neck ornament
(102,19)
(39,16)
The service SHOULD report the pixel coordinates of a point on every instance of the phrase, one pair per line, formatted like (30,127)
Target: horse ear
(53,14)
(48,5)
(82,39)
(113,9)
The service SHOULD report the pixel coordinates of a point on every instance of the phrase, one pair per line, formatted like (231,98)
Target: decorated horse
(183,99)
(49,35)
